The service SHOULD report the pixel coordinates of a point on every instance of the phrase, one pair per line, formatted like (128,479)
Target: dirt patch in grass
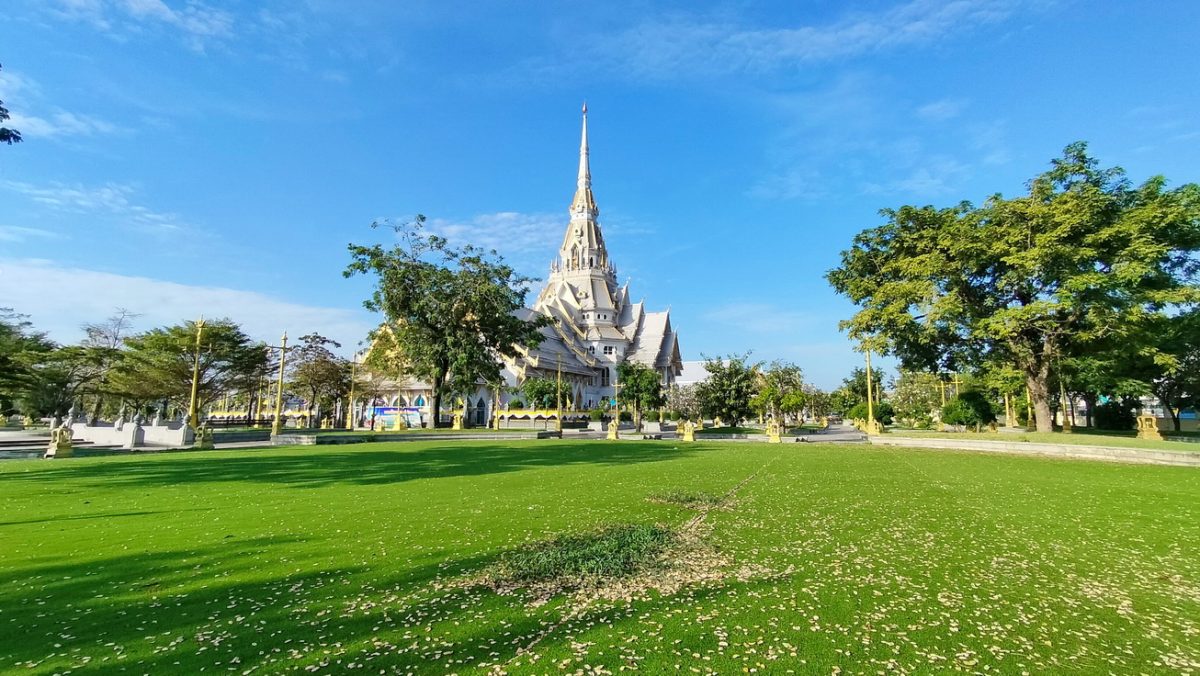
(620,562)
(698,500)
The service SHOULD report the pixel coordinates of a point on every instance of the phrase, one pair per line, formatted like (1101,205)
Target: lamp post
(350,411)
(277,423)
(194,404)
(870,399)
(558,397)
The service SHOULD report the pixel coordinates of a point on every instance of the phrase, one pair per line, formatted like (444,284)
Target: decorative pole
(350,412)
(193,405)
(870,400)
(277,423)
(558,397)
(1066,405)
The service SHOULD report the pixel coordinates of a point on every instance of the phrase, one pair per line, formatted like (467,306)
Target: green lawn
(818,556)
(1078,436)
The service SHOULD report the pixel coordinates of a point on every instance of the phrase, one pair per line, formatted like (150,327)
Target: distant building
(596,326)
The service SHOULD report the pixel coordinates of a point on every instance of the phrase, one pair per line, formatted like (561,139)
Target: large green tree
(317,373)
(21,348)
(780,389)
(158,363)
(452,312)
(1084,255)
(545,392)
(732,382)
(1168,363)
(641,387)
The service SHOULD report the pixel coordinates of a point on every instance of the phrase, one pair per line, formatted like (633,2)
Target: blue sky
(216,157)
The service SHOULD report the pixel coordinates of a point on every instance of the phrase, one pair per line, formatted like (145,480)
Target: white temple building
(597,324)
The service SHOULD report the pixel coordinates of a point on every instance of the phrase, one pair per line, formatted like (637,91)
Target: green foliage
(1084,255)
(641,386)
(731,384)
(674,415)
(651,416)
(596,414)
(541,392)
(883,411)
(516,404)
(780,389)
(21,348)
(916,396)
(971,409)
(451,311)
(318,374)
(626,416)
(158,363)
(1115,415)
(611,552)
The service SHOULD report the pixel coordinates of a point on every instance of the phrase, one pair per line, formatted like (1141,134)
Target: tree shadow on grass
(365,466)
(226,607)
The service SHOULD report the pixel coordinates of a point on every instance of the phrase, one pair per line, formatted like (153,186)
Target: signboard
(385,416)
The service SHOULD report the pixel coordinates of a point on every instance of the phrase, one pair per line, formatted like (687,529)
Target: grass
(1078,436)
(856,557)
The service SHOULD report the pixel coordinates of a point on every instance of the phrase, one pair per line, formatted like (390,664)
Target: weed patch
(690,499)
(609,553)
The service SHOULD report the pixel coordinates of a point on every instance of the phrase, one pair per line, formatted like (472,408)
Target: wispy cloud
(198,23)
(60,123)
(23,95)
(111,200)
(16,233)
(941,110)
(758,318)
(796,183)
(687,44)
(59,308)
(528,241)
(938,176)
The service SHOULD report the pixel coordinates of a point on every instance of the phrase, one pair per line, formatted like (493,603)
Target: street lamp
(350,412)
(277,423)
(194,404)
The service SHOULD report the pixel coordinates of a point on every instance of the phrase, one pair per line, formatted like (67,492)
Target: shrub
(674,415)
(651,416)
(883,412)
(1114,415)
(596,414)
(626,416)
(516,403)
(969,408)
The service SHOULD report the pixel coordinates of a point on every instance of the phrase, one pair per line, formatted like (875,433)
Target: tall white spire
(584,202)
(585,171)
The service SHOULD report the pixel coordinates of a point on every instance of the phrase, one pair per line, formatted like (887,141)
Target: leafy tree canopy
(1082,256)
(732,382)
(158,363)
(641,386)
(452,312)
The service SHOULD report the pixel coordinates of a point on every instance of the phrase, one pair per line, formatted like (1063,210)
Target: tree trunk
(1037,379)
(436,404)
(1090,399)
